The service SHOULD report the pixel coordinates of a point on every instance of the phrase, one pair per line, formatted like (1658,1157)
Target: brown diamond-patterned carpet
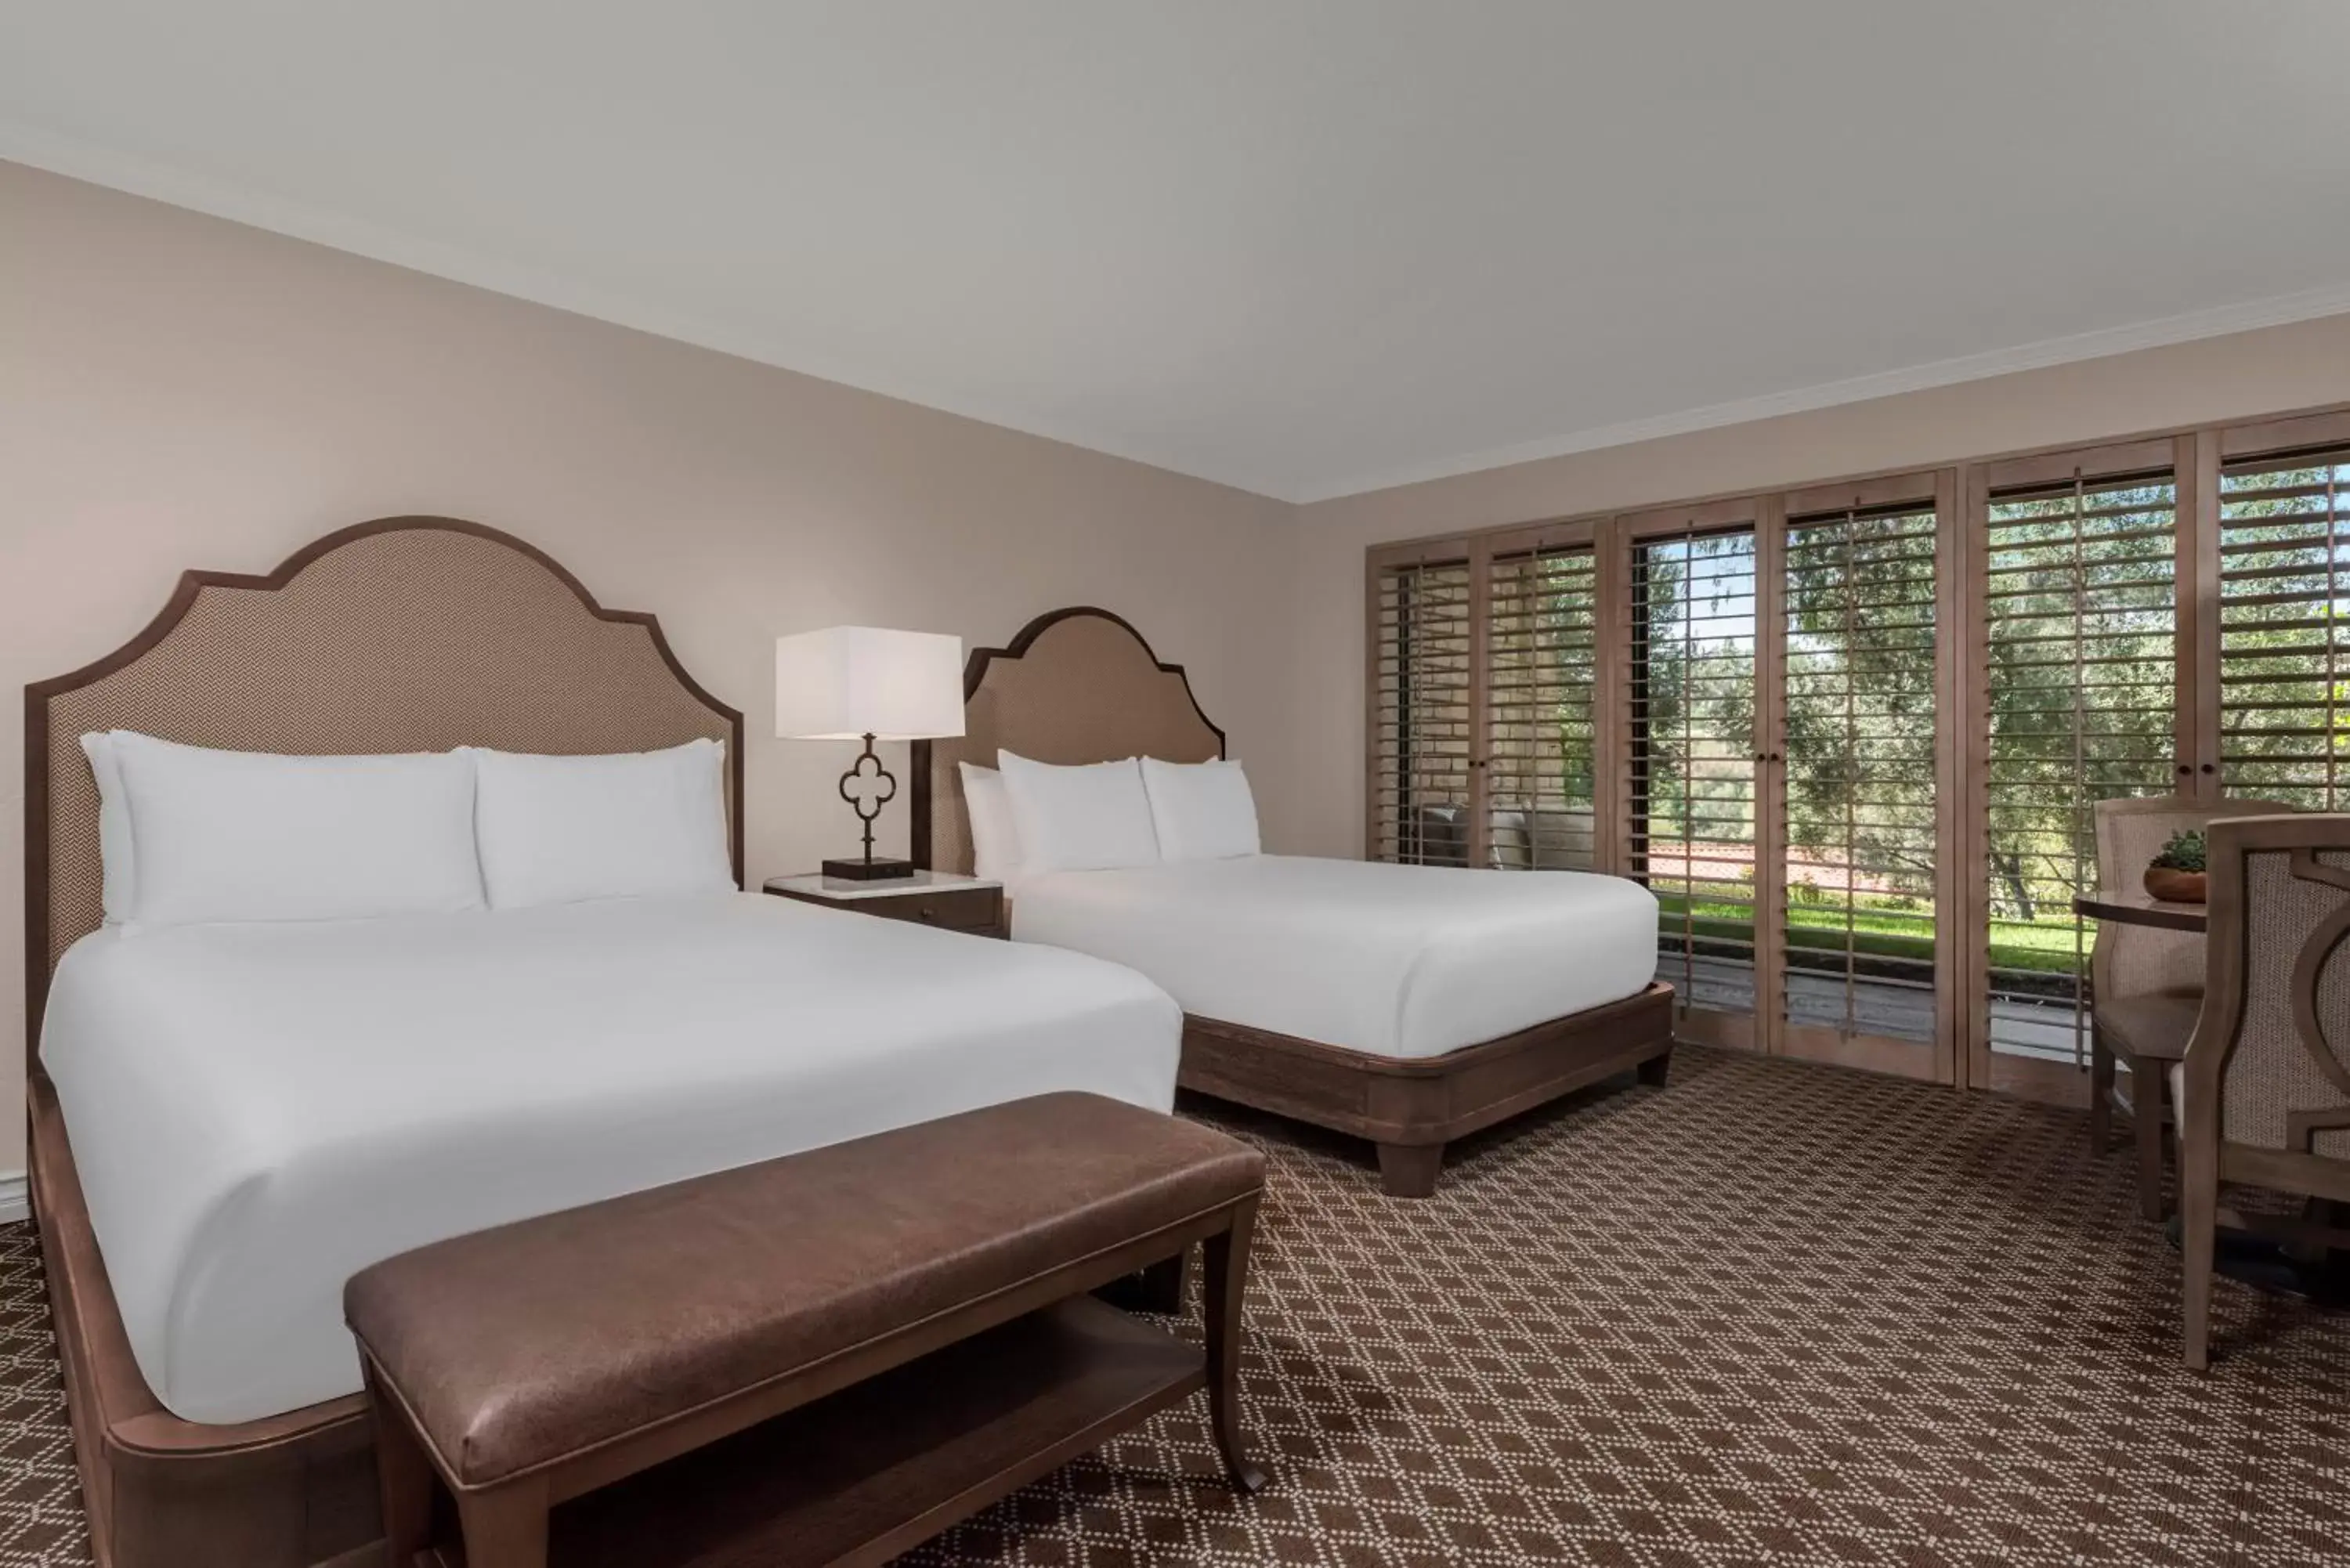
(1776,1313)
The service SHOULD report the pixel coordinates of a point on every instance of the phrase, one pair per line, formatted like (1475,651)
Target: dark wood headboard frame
(38,695)
(974,672)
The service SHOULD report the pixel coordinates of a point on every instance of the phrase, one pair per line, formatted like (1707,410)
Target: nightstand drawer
(926,898)
(956,909)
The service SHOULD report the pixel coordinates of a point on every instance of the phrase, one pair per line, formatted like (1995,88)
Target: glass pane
(1859,772)
(2082,629)
(1691,806)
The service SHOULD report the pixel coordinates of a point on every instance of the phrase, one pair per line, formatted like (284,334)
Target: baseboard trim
(15,1198)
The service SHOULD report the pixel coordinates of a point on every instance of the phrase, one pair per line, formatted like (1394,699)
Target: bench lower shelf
(869,1472)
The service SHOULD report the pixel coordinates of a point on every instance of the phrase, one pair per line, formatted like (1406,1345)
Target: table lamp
(848,683)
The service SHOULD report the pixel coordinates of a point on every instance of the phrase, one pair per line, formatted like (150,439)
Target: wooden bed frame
(403,634)
(1080,685)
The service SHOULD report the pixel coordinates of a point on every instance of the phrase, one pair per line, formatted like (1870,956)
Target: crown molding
(739,338)
(2277,311)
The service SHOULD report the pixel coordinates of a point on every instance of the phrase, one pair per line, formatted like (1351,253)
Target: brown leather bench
(845,1351)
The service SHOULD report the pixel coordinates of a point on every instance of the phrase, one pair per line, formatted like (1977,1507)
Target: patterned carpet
(1776,1313)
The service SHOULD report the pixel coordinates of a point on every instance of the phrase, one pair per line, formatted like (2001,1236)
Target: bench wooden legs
(505,1527)
(1225,1256)
(403,1477)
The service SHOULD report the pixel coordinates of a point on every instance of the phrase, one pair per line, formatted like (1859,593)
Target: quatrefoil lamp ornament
(862,683)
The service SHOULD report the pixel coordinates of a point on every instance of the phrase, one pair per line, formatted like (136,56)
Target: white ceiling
(1305,247)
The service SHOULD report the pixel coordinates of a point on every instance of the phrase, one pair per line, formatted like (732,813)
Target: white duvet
(257,1111)
(1393,960)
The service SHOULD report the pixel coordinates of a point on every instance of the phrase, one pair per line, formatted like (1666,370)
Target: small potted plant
(2177,874)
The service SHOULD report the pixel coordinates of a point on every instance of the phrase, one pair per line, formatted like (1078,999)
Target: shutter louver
(2080,623)
(2284,650)
(1421,713)
(1541,652)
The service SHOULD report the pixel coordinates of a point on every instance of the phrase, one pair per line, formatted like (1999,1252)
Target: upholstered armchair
(2145,985)
(2264,1090)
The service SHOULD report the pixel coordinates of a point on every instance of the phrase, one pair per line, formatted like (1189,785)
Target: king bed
(1408,1005)
(230,1118)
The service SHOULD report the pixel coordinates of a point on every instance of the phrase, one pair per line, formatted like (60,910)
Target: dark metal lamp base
(878,870)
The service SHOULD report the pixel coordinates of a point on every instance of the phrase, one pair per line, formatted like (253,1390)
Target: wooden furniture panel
(1411,1107)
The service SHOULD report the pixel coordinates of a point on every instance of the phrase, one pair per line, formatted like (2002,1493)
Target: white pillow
(1090,818)
(561,830)
(114,843)
(994,835)
(1202,811)
(253,836)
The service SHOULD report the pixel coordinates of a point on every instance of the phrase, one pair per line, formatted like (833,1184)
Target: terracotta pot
(2176,887)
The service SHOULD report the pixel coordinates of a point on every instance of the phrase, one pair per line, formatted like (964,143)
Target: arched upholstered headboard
(1077,685)
(406,634)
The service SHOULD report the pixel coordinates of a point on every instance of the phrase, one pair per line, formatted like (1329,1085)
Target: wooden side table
(927,897)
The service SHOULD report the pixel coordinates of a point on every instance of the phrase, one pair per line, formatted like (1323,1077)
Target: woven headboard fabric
(408,633)
(1076,686)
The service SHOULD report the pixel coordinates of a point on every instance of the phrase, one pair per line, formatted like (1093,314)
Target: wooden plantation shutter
(2077,693)
(1542,688)
(2285,646)
(1422,708)
(1860,772)
(1693,769)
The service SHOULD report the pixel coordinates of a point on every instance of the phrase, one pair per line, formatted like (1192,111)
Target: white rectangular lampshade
(849,682)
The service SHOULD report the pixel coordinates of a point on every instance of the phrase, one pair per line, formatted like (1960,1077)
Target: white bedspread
(258,1111)
(1394,961)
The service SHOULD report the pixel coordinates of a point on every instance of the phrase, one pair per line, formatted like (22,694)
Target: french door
(1785,790)
(1695,774)
(1862,781)
(1853,736)
(2083,690)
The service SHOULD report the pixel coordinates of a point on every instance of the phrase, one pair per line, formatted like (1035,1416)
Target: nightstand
(927,897)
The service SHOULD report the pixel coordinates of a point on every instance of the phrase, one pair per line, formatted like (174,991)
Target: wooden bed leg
(1657,1070)
(1225,1254)
(1409,1170)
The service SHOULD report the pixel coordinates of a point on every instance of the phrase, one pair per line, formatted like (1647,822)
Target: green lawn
(2045,945)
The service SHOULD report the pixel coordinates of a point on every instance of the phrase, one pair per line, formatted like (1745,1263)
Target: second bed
(1408,1005)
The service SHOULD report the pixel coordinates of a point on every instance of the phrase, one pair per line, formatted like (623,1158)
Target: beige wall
(2272,370)
(177,391)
